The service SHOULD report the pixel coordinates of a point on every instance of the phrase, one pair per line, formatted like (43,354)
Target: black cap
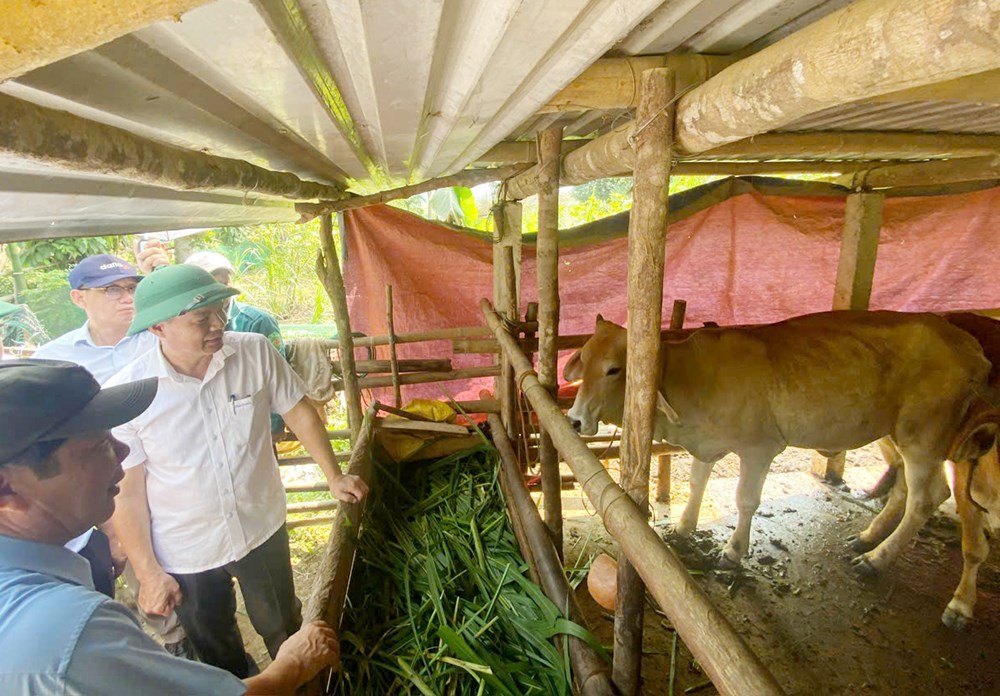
(46,400)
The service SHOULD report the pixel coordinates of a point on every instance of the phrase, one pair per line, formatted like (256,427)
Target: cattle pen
(852,160)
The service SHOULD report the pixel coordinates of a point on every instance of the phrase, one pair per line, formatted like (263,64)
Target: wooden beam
(613,83)
(397,399)
(328,270)
(870,47)
(547,266)
(722,653)
(375,382)
(981,88)
(612,153)
(894,175)
(60,139)
(470,177)
(858,248)
(33,34)
(506,293)
(519,152)
(647,234)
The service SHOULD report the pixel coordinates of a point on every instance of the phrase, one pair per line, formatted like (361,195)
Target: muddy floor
(817,626)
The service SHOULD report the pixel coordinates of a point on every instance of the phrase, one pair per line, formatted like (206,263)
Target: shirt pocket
(248,416)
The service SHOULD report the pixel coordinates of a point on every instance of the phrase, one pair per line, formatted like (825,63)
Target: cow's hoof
(862,566)
(726,563)
(954,620)
(679,530)
(855,543)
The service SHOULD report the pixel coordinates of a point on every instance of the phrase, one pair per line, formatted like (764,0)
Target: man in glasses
(103,286)
(202,502)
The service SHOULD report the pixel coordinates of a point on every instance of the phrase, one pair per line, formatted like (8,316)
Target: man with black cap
(103,286)
(202,501)
(59,473)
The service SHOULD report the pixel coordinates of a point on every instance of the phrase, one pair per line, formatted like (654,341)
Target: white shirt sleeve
(286,387)
(129,434)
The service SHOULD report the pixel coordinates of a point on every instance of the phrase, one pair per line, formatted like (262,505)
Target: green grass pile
(439,601)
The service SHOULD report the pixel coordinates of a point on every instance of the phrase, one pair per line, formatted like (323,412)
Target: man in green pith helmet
(202,501)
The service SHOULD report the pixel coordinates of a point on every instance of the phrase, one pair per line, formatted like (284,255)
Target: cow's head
(601,366)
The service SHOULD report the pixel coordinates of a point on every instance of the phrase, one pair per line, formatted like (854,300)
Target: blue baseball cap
(101,270)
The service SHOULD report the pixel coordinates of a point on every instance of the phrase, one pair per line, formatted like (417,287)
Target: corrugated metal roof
(373,94)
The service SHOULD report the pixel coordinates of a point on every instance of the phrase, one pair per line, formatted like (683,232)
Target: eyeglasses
(115,292)
(221,313)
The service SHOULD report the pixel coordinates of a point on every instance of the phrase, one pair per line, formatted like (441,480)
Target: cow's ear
(574,368)
(664,406)
(600,318)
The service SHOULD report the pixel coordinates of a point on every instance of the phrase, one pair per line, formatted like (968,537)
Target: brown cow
(830,381)
(977,472)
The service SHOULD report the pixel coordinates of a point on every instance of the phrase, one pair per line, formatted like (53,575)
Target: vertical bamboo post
(530,317)
(646,242)
(853,289)
(506,262)
(547,260)
(328,269)
(393,358)
(663,461)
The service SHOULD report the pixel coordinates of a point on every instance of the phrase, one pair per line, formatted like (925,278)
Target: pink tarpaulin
(750,259)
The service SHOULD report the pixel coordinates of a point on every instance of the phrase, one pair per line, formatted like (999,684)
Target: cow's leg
(700,471)
(753,471)
(975,549)
(884,522)
(927,488)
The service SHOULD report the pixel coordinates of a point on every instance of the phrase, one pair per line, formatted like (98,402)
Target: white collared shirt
(77,346)
(212,479)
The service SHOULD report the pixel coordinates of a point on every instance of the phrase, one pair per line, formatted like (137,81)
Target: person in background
(103,287)
(59,473)
(202,501)
(241,316)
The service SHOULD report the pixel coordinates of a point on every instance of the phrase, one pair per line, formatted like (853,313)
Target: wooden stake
(329,590)
(547,262)
(725,657)
(663,462)
(590,672)
(853,289)
(328,270)
(646,243)
(393,359)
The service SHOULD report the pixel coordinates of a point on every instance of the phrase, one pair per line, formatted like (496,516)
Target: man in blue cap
(103,287)
(202,501)
(59,473)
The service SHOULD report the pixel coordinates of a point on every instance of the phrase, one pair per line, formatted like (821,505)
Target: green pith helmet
(173,291)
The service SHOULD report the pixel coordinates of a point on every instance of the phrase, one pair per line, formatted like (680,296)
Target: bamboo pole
(328,270)
(415,365)
(422,377)
(312,506)
(646,242)
(726,658)
(590,672)
(419,336)
(311,521)
(547,266)
(469,178)
(333,577)
(393,359)
(663,461)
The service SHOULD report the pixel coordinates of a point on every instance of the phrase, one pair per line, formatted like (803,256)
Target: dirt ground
(817,626)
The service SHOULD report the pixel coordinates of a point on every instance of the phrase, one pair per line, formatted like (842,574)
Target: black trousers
(102,568)
(208,610)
